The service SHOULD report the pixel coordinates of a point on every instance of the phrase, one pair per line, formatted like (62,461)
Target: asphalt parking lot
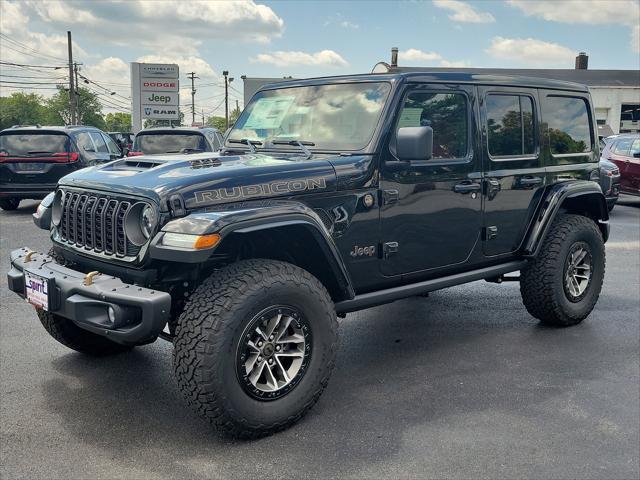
(462,384)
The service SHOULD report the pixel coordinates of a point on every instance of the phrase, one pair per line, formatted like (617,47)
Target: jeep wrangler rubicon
(330,195)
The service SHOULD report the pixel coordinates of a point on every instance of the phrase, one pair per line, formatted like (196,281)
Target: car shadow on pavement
(418,364)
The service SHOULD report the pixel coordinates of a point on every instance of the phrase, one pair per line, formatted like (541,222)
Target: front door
(514,171)
(431,212)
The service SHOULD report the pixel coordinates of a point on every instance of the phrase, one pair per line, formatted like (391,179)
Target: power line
(55,67)
(26,49)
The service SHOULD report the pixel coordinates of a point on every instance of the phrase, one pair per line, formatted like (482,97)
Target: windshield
(155,143)
(28,144)
(325,117)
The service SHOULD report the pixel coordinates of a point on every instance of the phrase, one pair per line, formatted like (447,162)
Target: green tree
(88,105)
(219,123)
(22,109)
(118,122)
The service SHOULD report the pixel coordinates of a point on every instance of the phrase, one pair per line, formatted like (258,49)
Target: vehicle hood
(207,179)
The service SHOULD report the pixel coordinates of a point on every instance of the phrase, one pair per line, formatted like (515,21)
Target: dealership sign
(155,91)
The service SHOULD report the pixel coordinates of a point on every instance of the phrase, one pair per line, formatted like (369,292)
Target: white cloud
(414,56)
(187,64)
(592,12)
(324,58)
(152,22)
(464,12)
(348,24)
(531,51)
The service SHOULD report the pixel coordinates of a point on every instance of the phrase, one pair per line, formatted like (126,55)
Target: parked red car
(624,151)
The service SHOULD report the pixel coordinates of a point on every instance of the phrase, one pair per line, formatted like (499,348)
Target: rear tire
(70,335)
(265,303)
(9,203)
(562,284)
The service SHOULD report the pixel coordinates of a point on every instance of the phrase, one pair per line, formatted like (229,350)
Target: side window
(635,147)
(446,114)
(111,145)
(84,142)
(99,142)
(568,122)
(622,147)
(510,127)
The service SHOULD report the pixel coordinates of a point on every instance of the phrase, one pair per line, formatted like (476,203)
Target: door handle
(530,181)
(466,187)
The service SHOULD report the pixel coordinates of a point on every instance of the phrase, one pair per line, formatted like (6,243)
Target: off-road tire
(70,335)
(9,203)
(213,324)
(542,280)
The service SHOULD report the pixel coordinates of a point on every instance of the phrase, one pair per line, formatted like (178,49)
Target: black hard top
(426,75)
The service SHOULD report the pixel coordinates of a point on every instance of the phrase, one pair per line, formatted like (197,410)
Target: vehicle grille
(96,223)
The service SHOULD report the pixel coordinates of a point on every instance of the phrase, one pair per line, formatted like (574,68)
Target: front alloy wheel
(274,352)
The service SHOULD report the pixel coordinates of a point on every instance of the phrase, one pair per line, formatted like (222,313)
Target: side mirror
(636,154)
(125,151)
(414,143)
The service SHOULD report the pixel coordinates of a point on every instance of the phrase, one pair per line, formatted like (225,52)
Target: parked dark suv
(33,159)
(331,195)
(161,140)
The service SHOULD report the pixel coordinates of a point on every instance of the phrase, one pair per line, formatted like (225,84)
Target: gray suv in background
(160,140)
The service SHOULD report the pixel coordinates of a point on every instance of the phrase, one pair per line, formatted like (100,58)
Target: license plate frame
(37,290)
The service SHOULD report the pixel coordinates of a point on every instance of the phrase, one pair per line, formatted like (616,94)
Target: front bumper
(138,314)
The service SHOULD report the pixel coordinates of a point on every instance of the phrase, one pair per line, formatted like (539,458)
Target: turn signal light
(194,242)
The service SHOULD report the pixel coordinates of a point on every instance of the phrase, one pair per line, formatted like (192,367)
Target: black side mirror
(414,143)
(636,154)
(125,151)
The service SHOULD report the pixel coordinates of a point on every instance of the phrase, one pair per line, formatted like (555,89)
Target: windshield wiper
(245,141)
(296,143)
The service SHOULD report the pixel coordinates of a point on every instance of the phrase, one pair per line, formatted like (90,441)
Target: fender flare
(250,217)
(555,196)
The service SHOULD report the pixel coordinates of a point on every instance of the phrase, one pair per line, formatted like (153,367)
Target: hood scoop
(205,163)
(135,164)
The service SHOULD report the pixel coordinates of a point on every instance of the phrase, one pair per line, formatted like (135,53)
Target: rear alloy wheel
(9,203)
(255,346)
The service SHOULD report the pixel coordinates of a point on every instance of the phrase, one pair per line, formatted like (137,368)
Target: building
(615,93)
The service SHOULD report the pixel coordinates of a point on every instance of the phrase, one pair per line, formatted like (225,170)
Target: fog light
(112,315)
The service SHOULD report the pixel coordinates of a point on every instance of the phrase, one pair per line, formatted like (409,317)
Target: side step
(366,300)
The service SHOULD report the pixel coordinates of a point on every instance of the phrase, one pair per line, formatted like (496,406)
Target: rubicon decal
(261,190)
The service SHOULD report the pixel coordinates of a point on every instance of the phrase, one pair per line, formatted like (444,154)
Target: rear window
(569,126)
(155,143)
(30,144)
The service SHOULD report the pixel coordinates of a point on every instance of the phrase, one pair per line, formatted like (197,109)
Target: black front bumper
(138,314)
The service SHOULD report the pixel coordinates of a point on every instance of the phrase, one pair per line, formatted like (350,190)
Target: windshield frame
(368,148)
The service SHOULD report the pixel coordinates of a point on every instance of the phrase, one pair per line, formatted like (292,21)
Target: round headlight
(147,221)
(56,208)
(139,223)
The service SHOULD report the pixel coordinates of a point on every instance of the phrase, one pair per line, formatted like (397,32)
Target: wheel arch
(298,241)
(577,197)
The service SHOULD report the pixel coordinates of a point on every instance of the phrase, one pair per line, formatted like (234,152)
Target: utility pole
(77,93)
(202,111)
(226,99)
(72,92)
(192,76)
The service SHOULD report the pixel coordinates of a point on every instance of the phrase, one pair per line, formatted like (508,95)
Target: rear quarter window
(568,124)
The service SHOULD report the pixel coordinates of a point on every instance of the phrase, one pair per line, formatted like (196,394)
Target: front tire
(70,335)
(9,203)
(562,284)
(255,346)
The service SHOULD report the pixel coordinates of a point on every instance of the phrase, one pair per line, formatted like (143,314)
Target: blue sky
(307,38)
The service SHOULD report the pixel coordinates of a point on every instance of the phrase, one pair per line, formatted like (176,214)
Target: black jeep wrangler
(331,195)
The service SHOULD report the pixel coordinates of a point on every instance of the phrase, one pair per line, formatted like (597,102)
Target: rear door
(514,171)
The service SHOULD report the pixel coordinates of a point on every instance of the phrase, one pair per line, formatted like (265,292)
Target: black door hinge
(389,248)
(490,232)
(390,196)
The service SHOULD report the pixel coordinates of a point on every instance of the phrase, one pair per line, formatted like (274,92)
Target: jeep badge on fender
(244,257)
